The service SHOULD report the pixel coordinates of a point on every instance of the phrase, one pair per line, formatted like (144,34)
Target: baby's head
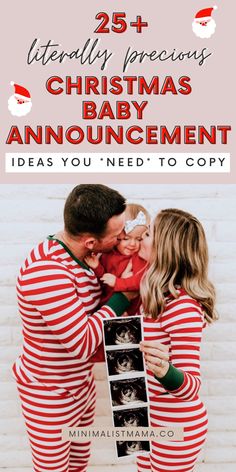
(137,220)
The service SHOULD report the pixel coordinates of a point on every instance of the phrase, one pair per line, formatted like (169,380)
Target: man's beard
(100,248)
(18,109)
(204,31)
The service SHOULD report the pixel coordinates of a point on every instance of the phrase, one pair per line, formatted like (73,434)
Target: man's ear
(89,243)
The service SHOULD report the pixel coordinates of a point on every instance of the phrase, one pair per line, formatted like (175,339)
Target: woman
(178,301)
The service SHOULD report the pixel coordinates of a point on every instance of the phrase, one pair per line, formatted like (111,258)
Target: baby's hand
(109,279)
(92,261)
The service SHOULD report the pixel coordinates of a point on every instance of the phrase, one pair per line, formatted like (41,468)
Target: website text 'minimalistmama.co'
(120,433)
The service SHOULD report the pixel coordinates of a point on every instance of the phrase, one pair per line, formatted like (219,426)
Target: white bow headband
(140,220)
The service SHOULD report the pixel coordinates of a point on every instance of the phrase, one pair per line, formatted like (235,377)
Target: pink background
(71,24)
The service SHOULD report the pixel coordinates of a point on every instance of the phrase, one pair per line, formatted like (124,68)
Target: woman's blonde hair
(179,258)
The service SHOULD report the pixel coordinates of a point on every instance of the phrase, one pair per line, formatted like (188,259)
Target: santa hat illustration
(205,13)
(21,92)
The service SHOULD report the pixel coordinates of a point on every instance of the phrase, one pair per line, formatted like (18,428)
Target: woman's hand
(156,357)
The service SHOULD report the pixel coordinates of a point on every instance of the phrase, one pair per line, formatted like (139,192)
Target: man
(58,297)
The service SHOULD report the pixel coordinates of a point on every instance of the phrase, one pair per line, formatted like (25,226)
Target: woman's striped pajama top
(180,328)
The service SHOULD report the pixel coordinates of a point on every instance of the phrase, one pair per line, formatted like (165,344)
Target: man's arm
(49,287)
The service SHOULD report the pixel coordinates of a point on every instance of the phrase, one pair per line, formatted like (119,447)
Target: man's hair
(89,207)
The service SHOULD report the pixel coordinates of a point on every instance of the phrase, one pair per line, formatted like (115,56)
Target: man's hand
(109,279)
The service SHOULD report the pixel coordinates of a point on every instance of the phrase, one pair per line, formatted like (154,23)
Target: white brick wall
(29,213)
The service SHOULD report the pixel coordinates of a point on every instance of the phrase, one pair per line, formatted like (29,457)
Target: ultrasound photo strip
(127,379)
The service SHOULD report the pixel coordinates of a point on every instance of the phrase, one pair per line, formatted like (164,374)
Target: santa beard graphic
(17,108)
(205,30)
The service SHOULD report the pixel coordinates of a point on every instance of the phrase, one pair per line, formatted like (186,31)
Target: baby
(113,267)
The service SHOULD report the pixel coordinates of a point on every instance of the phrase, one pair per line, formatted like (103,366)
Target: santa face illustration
(19,104)
(205,28)
(203,24)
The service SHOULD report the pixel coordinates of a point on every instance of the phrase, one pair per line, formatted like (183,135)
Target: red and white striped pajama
(180,328)
(57,298)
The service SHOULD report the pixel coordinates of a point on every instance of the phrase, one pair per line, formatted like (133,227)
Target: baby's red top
(115,263)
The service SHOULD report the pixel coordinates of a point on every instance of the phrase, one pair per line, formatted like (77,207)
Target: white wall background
(28,214)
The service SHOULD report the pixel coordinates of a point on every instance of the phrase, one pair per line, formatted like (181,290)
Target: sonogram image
(128,391)
(126,448)
(124,361)
(122,331)
(132,417)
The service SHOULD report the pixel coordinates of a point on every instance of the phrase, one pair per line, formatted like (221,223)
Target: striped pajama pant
(175,456)
(46,413)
